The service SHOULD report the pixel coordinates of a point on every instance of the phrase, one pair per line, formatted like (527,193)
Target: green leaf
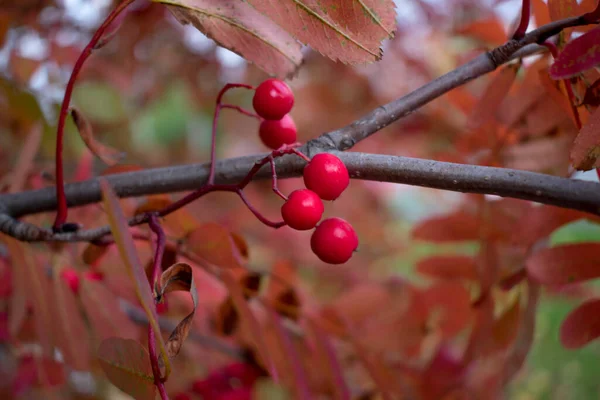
(124,241)
(126,363)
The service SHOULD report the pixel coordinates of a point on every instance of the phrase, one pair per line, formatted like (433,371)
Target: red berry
(273,99)
(70,276)
(93,275)
(302,210)
(275,134)
(327,176)
(334,241)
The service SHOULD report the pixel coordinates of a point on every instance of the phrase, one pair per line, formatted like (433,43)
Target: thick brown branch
(546,189)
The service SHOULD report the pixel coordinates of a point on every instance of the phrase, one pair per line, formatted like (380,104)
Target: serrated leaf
(106,154)
(237,26)
(128,252)
(127,365)
(178,277)
(577,56)
(565,264)
(586,147)
(581,326)
(217,245)
(350,31)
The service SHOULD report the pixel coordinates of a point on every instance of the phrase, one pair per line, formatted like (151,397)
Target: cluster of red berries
(272,101)
(325,177)
(231,382)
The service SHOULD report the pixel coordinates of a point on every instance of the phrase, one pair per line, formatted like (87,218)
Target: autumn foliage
(303,279)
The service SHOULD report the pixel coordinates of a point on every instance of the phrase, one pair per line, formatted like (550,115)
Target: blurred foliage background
(151,91)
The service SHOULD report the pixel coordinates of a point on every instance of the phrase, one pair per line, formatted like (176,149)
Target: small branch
(154,362)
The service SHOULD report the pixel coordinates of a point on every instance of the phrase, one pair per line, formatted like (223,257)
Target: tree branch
(575,194)
(541,188)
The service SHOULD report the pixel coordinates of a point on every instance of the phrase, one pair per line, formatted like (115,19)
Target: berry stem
(524,22)
(241,110)
(257,213)
(62,209)
(213,142)
(274,179)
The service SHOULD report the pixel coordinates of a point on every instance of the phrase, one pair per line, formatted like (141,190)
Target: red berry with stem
(334,241)
(275,134)
(273,99)
(302,210)
(327,176)
(70,276)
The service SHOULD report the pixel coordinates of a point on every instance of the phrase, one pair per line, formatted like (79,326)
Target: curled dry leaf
(107,154)
(565,264)
(127,365)
(577,56)
(350,31)
(581,326)
(178,277)
(235,25)
(130,257)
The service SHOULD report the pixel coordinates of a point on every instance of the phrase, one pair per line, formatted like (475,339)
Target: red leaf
(592,94)
(349,31)
(104,312)
(448,267)
(577,56)
(124,241)
(582,325)
(237,26)
(449,228)
(449,304)
(35,372)
(586,148)
(565,264)
(127,365)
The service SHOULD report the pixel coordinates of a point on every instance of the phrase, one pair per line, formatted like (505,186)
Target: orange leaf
(348,31)
(449,228)
(506,327)
(449,305)
(108,155)
(586,148)
(237,26)
(121,169)
(541,12)
(488,30)
(581,326)
(560,9)
(485,109)
(127,365)
(124,241)
(248,319)
(215,244)
(565,264)
(448,267)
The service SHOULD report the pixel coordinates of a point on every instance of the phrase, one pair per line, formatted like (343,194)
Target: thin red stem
(213,137)
(241,110)
(524,22)
(154,362)
(257,213)
(274,179)
(161,241)
(62,209)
